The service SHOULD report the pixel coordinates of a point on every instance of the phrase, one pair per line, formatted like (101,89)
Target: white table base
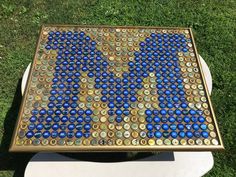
(186,164)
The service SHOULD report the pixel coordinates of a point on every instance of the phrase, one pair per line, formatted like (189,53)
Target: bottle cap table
(116,89)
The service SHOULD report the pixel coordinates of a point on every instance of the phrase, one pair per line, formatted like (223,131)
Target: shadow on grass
(13,161)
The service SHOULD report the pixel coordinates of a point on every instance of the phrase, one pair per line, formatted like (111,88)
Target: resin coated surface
(116,89)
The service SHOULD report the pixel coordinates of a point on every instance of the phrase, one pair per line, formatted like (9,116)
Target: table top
(98,88)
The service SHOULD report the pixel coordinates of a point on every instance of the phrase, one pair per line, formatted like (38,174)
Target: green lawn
(213,24)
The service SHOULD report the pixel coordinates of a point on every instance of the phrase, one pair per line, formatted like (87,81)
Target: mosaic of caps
(115,88)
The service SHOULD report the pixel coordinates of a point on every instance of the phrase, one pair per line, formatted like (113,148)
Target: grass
(213,24)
